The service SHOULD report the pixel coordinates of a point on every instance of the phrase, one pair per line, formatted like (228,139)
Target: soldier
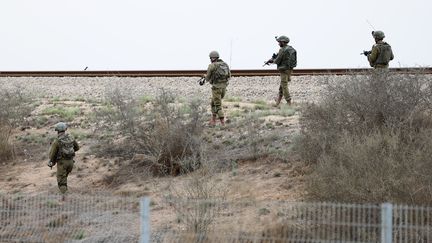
(381,53)
(62,152)
(218,74)
(286,60)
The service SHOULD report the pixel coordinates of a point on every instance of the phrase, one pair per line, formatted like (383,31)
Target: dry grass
(370,140)
(163,137)
(6,149)
(378,167)
(14,108)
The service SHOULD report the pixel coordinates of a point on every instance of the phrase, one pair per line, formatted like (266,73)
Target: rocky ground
(302,88)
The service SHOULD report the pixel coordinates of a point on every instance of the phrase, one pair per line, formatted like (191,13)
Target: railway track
(196,73)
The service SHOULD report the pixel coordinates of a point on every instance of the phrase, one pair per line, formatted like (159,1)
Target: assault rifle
(270,60)
(201,81)
(366,53)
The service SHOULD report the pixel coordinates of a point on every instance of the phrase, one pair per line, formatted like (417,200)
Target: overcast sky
(179,34)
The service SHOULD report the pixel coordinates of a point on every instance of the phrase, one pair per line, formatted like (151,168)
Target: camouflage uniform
(381,53)
(219,86)
(282,61)
(64,165)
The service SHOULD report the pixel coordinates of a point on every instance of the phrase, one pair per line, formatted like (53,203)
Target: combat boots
(278,101)
(222,121)
(213,121)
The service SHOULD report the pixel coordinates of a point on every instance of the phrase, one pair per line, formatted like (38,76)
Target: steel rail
(197,73)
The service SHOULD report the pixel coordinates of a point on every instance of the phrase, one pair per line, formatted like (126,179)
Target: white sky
(179,34)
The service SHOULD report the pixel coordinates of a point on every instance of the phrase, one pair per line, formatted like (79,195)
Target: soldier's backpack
(66,147)
(386,54)
(292,60)
(222,72)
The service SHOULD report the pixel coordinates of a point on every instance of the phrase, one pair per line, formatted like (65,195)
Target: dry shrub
(173,137)
(251,141)
(167,137)
(258,142)
(370,139)
(200,185)
(378,167)
(14,108)
(6,149)
(313,226)
(197,200)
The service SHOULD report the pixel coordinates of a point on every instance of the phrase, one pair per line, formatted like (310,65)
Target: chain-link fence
(85,218)
(272,222)
(78,218)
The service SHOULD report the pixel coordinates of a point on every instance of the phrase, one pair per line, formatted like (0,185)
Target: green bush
(145,99)
(65,113)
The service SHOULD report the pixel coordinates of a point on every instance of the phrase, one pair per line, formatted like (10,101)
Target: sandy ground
(264,180)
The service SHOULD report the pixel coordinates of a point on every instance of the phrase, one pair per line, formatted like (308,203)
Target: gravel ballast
(302,88)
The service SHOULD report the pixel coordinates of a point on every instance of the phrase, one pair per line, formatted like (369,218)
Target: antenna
(370,24)
(231,44)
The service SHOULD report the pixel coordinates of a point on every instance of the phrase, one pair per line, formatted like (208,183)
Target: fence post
(145,220)
(386,223)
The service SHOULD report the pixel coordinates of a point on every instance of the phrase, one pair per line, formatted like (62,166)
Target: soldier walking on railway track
(218,74)
(381,53)
(286,60)
(62,152)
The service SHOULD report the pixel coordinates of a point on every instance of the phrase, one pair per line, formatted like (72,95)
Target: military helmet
(60,127)
(283,38)
(214,54)
(378,34)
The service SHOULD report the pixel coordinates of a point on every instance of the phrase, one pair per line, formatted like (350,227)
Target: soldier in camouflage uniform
(218,74)
(286,60)
(381,53)
(62,153)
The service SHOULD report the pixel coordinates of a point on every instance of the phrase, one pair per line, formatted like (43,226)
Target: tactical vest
(385,54)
